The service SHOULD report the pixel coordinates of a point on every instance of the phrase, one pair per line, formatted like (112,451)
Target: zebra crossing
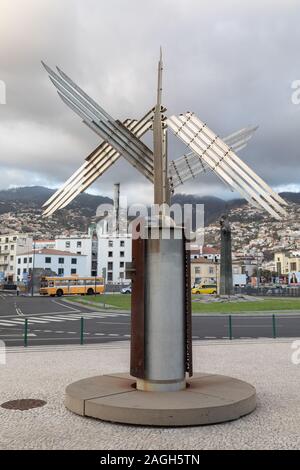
(59,318)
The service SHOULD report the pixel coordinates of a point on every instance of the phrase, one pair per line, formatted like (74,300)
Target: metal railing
(270,327)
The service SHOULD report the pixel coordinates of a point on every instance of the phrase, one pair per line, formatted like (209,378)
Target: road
(54,321)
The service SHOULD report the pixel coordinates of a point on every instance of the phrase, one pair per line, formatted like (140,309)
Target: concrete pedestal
(207,399)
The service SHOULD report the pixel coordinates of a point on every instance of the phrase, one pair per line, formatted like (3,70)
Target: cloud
(232,63)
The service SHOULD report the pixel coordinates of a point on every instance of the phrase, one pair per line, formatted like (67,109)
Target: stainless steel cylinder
(164,311)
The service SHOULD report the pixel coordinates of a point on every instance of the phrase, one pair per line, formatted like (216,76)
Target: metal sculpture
(161,339)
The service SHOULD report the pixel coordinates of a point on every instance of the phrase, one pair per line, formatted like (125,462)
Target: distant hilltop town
(66,243)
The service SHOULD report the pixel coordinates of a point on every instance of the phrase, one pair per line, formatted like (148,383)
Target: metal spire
(158,147)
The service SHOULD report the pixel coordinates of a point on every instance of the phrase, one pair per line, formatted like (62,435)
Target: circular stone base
(207,399)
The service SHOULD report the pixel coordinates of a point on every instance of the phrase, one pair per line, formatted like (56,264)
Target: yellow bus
(72,285)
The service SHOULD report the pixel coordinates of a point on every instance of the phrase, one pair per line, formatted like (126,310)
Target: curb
(92,306)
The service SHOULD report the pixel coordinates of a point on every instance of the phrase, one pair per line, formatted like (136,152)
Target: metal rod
(190,133)
(26,333)
(97,163)
(230,326)
(274,326)
(81,330)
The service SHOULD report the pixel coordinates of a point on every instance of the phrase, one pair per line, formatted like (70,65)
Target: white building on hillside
(63,263)
(11,245)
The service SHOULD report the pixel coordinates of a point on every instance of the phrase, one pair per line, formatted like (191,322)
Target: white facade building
(113,254)
(81,245)
(10,246)
(63,263)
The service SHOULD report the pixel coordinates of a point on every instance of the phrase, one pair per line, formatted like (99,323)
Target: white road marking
(36,321)
(52,319)
(6,336)
(64,305)
(18,310)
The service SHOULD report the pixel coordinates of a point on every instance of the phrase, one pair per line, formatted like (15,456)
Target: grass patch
(123,301)
(232,307)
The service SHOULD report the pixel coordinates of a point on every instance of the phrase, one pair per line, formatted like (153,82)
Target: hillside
(21,210)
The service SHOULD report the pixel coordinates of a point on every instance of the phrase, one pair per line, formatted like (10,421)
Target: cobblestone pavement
(44,372)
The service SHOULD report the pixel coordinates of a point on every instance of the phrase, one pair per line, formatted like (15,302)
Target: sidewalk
(44,372)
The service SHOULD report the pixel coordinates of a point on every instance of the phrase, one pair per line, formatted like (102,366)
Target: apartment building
(204,271)
(63,263)
(288,263)
(113,254)
(11,245)
(80,245)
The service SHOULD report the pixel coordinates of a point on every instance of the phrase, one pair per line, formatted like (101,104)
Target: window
(197,270)
(25,260)
(12,247)
(110,265)
(109,276)
(67,244)
(121,275)
(110,254)
(61,260)
(211,270)
(122,264)
(60,271)
(19,260)
(73,271)
(293,266)
(19,271)
(78,252)
(110,243)
(24,271)
(74,261)
(122,254)
(47,260)
(122,243)
(79,244)
(11,258)
(30,259)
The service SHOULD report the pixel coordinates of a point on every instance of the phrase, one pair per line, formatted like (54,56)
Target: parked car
(205,289)
(126,290)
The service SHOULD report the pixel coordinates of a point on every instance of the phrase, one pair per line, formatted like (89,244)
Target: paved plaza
(44,372)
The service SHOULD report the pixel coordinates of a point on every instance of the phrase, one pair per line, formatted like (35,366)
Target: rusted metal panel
(137,353)
(188,311)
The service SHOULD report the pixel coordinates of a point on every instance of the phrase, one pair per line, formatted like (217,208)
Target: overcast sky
(231,62)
